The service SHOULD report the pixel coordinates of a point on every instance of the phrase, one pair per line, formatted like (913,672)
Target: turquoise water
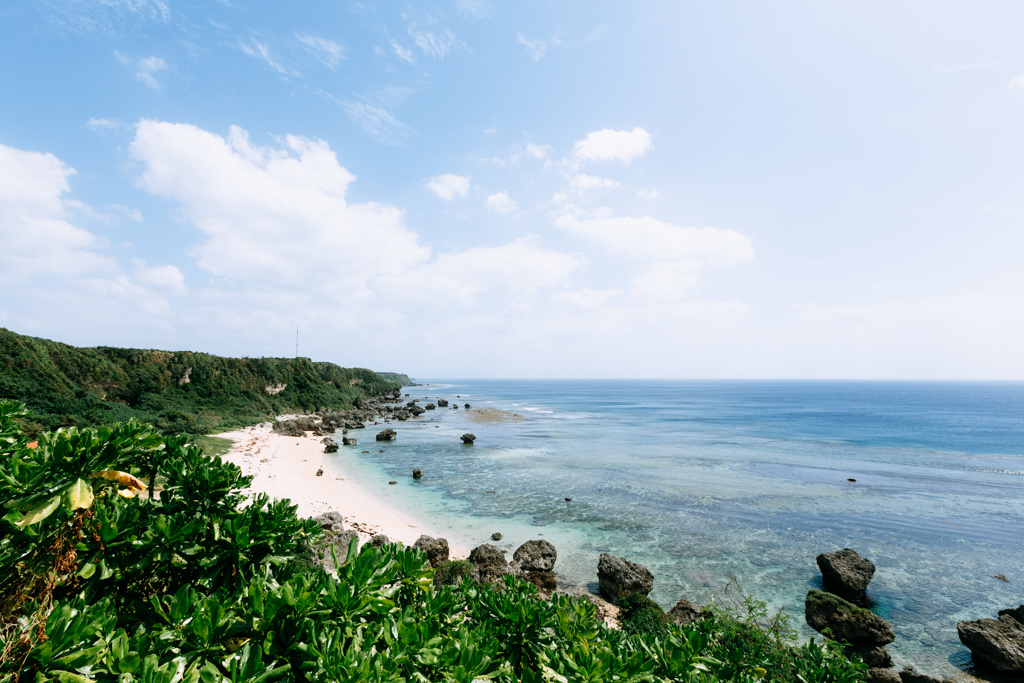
(702,480)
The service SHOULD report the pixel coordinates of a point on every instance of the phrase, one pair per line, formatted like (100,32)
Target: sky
(475,188)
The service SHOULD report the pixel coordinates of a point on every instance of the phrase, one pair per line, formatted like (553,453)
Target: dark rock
(330,445)
(430,406)
(379,541)
(346,441)
(908,675)
(874,656)
(1017,613)
(288,428)
(417,474)
(330,521)
(685,613)
(392,482)
(455,406)
(568,500)
(320,472)
(618,577)
(496,536)
(994,643)
(467,406)
(442,402)
(535,556)
(468,438)
(883,675)
(848,622)
(387,435)
(489,562)
(846,573)
(435,548)
(545,581)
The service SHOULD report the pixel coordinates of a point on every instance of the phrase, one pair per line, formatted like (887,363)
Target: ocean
(703,481)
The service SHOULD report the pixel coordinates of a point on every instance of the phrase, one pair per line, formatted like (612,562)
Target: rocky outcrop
(387,435)
(348,441)
(435,548)
(883,675)
(430,406)
(685,613)
(618,577)
(330,521)
(468,438)
(489,563)
(288,428)
(854,625)
(909,675)
(379,541)
(442,403)
(535,556)
(417,473)
(996,644)
(330,445)
(1016,612)
(496,536)
(846,574)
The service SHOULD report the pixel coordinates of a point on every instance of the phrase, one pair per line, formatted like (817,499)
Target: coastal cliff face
(178,391)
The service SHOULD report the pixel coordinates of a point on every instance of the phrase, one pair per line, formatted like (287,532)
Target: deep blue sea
(706,480)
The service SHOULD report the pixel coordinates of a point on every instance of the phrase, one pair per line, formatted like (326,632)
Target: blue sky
(480,189)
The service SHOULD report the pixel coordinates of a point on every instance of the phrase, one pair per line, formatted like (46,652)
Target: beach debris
(387,435)
(995,643)
(489,563)
(846,574)
(618,577)
(496,536)
(468,438)
(1000,577)
(417,473)
(320,472)
(866,633)
(436,549)
(330,445)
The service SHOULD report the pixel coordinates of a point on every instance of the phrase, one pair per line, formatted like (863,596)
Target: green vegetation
(397,378)
(180,392)
(196,584)
(640,615)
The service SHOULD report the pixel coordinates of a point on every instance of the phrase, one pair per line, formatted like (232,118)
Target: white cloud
(274,217)
(649,239)
(608,145)
(327,51)
(35,232)
(376,121)
(589,182)
(449,186)
(402,52)
(647,193)
(499,202)
(535,48)
(103,124)
(587,299)
(436,45)
(1016,83)
(537,151)
(260,50)
(475,8)
(146,69)
(165,278)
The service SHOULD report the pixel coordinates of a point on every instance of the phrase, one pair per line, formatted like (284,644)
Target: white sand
(286,467)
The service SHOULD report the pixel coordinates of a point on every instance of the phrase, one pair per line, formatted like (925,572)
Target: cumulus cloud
(164,278)
(613,145)
(36,234)
(649,239)
(274,216)
(327,51)
(449,186)
(499,202)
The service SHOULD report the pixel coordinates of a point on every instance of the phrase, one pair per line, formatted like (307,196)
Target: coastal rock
(874,656)
(435,548)
(489,563)
(330,521)
(387,435)
(908,675)
(545,582)
(288,428)
(496,536)
(348,441)
(994,643)
(850,623)
(1017,613)
(417,410)
(602,607)
(883,675)
(333,545)
(535,556)
(379,541)
(685,613)
(618,577)
(430,406)
(330,445)
(846,573)
(468,438)
(320,472)
(467,406)
(417,474)
(442,402)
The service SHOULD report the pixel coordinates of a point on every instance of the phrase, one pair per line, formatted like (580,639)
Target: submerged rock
(849,623)
(417,474)
(618,577)
(346,441)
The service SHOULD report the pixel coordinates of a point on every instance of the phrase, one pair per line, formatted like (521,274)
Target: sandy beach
(286,467)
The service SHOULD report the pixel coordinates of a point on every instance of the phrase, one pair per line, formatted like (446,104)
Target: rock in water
(387,435)
(496,536)
(489,563)
(994,643)
(330,445)
(435,548)
(846,573)
(618,577)
(855,625)
(468,438)
(346,441)
(417,474)
(1017,613)
(535,556)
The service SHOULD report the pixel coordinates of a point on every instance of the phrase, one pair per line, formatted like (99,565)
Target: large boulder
(442,402)
(288,428)
(909,675)
(535,556)
(435,548)
(883,675)
(849,623)
(330,521)
(685,612)
(846,573)
(1016,612)
(387,435)
(330,445)
(994,643)
(348,441)
(618,577)
(489,563)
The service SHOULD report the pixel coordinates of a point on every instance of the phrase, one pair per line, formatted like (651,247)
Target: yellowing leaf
(126,493)
(39,512)
(122,478)
(78,495)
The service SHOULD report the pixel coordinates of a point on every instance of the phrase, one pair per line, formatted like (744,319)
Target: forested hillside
(179,391)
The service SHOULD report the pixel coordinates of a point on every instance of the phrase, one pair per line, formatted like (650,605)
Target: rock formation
(435,548)
(618,577)
(996,644)
(489,563)
(330,445)
(387,435)
(846,574)
(468,438)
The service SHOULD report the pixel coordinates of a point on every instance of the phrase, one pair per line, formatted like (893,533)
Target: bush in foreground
(104,579)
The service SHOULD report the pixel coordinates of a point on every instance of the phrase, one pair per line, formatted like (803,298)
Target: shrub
(639,615)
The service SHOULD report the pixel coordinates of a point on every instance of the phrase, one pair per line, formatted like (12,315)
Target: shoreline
(287,466)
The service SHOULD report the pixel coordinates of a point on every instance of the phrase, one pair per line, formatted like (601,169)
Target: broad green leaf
(78,495)
(40,512)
